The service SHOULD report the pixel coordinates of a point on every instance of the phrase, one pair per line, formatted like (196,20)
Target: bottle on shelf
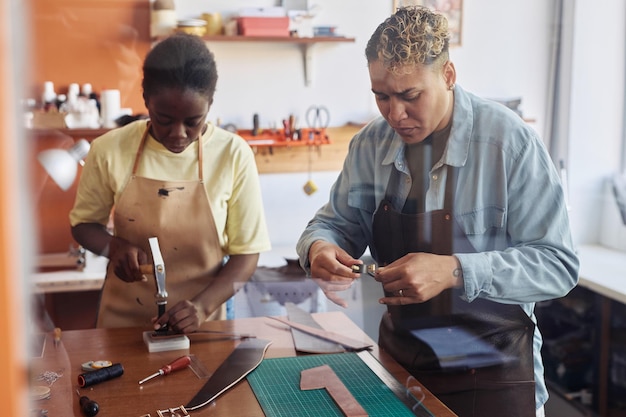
(49,96)
(163,19)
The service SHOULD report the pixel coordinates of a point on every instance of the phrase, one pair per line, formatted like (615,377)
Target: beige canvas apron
(179,214)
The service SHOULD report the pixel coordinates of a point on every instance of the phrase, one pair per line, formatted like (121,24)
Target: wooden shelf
(283,39)
(277,138)
(306,45)
(298,156)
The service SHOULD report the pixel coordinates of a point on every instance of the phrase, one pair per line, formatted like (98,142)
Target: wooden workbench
(123,396)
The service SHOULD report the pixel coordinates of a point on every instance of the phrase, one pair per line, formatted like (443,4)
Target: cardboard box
(49,120)
(263,26)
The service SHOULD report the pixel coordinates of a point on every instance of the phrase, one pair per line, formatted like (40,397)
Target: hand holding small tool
(176,365)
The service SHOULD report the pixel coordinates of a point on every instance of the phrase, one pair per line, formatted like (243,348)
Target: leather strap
(305,342)
(243,360)
(346,342)
(324,377)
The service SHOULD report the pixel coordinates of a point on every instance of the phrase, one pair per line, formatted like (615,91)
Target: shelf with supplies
(276,138)
(302,155)
(306,44)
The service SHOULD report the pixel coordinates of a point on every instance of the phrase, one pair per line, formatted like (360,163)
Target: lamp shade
(60,164)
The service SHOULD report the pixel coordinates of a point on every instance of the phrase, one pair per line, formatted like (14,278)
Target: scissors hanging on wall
(317,118)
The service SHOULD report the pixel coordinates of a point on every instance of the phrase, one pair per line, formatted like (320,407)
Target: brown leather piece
(324,377)
(243,360)
(348,343)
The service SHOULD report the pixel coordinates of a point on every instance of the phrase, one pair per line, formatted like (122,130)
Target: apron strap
(140,149)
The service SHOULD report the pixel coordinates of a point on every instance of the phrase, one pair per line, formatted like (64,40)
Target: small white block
(165,343)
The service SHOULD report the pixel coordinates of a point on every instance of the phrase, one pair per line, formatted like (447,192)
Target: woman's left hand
(417,277)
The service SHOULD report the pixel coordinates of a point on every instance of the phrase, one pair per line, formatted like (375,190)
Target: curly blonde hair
(413,35)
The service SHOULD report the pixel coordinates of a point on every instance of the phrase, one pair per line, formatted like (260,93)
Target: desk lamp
(60,164)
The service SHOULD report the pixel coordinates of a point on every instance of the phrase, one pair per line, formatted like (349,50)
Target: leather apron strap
(506,389)
(179,214)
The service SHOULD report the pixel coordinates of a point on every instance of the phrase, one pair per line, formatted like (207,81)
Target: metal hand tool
(159,276)
(318,118)
(180,363)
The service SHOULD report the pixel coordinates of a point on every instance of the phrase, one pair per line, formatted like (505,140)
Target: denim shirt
(508,200)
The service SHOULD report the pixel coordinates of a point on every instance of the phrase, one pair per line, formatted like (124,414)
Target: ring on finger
(401,293)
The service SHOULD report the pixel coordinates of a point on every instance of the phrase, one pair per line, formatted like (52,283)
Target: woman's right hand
(126,258)
(330,270)
(331,263)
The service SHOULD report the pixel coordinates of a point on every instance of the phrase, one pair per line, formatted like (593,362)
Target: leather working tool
(159,275)
(175,365)
(89,407)
(346,342)
(243,360)
(318,118)
(211,334)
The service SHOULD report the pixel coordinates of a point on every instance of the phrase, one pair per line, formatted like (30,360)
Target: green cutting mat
(276,384)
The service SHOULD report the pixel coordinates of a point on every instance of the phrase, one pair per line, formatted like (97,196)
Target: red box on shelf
(263,26)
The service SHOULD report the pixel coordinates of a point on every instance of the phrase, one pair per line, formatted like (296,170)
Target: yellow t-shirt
(229,172)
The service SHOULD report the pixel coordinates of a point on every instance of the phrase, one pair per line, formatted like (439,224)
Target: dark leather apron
(470,390)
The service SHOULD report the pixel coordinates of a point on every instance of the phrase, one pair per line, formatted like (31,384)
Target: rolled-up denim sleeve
(538,261)
(338,221)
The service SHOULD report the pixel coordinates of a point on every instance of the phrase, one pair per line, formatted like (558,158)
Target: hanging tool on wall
(317,117)
(255,124)
(310,187)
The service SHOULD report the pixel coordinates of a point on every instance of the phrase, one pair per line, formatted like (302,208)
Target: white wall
(505,52)
(499,57)
(597,111)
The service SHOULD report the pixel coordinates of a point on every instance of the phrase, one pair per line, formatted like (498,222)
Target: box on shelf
(49,120)
(263,26)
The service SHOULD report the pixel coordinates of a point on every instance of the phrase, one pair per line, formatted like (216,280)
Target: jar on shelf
(214,24)
(192,26)
(163,18)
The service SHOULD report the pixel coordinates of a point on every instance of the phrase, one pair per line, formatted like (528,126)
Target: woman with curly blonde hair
(438,189)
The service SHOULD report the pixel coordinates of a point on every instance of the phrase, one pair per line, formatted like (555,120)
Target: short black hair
(180,61)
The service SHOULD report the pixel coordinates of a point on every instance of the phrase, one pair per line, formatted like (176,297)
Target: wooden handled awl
(177,364)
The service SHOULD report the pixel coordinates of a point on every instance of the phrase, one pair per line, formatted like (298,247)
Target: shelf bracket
(307,61)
